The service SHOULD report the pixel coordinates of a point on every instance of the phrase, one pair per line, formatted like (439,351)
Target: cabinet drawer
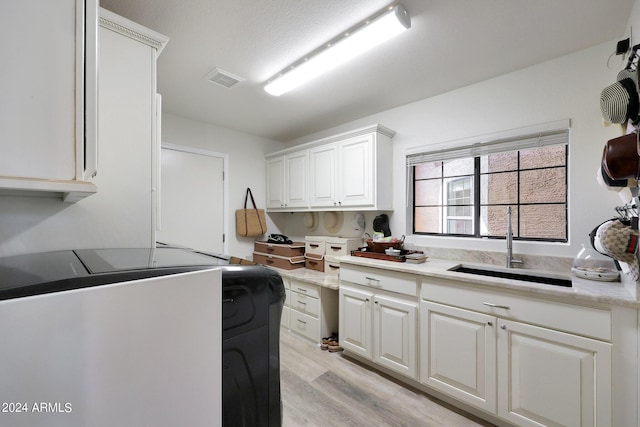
(576,319)
(380,279)
(305,289)
(305,325)
(305,304)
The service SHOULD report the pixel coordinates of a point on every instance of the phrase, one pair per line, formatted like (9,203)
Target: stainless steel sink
(504,273)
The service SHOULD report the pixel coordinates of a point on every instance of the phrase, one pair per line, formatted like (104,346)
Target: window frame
(476,151)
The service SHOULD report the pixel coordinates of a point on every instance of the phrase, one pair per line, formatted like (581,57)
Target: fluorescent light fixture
(373,31)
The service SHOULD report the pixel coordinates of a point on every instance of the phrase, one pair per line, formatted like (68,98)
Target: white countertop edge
(325,280)
(611,293)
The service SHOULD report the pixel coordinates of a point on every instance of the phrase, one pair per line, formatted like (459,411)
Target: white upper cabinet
(275,183)
(48,106)
(356,163)
(346,171)
(296,179)
(287,181)
(323,171)
(129,133)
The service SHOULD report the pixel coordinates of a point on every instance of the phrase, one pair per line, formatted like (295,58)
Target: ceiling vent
(223,78)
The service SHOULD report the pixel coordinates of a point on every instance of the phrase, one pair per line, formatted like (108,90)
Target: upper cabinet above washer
(48,108)
(349,171)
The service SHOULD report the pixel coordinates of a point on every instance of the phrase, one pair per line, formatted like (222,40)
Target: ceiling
(451,44)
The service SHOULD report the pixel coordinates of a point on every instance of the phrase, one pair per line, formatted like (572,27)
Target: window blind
(540,139)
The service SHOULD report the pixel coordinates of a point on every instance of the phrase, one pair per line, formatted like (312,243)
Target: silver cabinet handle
(489,304)
(302,303)
(503,326)
(302,321)
(371,278)
(302,290)
(490,323)
(366,300)
(231,300)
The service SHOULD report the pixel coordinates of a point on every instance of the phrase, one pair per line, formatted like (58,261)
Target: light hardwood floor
(324,389)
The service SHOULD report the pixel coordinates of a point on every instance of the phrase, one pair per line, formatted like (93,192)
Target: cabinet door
(296,180)
(323,172)
(395,335)
(355,321)
(356,176)
(275,182)
(458,353)
(43,119)
(547,377)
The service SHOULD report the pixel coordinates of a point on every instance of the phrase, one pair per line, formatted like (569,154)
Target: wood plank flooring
(323,389)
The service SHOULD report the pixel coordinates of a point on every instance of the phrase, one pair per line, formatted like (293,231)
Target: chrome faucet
(510,259)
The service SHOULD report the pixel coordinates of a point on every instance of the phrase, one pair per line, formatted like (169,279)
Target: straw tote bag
(250,222)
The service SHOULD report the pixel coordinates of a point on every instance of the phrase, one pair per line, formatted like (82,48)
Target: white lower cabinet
(551,378)
(458,353)
(355,321)
(519,358)
(526,374)
(395,328)
(380,326)
(312,310)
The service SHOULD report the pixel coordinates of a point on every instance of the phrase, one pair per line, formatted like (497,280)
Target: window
(466,191)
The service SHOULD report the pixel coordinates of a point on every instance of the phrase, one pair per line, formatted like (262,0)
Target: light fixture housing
(369,33)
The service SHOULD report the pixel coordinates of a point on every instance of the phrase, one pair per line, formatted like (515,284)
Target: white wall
(568,87)
(246,166)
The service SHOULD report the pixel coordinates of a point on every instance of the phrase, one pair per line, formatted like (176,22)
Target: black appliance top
(110,260)
(47,272)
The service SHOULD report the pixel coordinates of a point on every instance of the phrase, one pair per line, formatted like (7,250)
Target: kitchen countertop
(624,293)
(613,293)
(311,276)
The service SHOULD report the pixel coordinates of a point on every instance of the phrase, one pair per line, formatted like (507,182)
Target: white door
(355,321)
(552,378)
(458,353)
(192,199)
(395,335)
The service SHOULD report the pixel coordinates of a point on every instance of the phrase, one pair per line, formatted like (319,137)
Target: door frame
(225,184)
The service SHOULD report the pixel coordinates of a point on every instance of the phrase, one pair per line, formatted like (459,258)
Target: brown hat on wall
(620,159)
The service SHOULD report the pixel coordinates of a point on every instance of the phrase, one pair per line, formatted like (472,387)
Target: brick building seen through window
(469,196)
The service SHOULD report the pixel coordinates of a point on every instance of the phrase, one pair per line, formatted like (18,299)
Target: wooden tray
(383,256)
